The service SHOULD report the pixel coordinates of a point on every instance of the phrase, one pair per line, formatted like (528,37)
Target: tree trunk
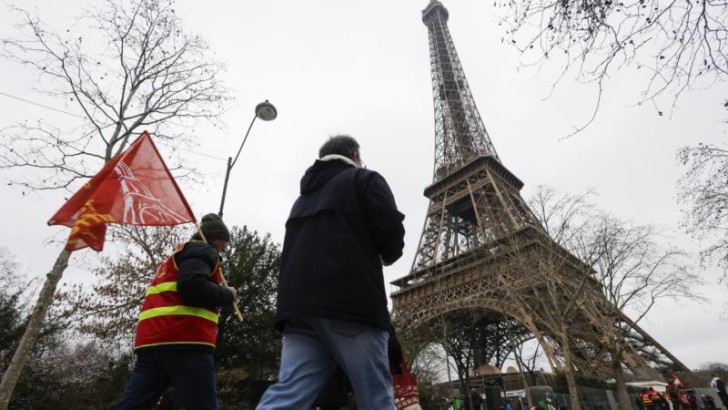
(622,395)
(569,373)
(12,374)
(524,380)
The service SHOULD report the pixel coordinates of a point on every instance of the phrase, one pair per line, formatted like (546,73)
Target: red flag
(134,188)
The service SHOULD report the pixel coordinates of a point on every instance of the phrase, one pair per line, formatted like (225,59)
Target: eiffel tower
(483,250)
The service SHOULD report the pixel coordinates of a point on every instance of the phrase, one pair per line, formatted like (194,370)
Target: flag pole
(224,282)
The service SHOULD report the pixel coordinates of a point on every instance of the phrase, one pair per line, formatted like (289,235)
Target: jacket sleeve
(196,266)
(385,221)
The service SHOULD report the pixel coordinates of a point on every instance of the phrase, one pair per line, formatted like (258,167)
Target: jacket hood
(321,172)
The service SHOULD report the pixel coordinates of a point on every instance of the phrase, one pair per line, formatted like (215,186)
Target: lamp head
(266,111)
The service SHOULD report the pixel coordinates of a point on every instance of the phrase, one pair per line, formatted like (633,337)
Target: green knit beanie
(213,227)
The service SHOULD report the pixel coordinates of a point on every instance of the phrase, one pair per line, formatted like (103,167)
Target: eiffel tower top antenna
(460,135)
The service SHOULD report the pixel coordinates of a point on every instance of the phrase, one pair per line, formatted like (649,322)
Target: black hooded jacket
(342,227)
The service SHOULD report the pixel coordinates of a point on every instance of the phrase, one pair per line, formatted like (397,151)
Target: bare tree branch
(704,192)
(681,42)
(146,73)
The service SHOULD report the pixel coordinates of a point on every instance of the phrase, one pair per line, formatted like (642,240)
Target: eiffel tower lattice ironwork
(482,249)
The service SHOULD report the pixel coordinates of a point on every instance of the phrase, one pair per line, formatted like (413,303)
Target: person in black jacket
(332,304)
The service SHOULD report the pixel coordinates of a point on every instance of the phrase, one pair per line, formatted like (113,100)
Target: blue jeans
(311,351)
(190,371)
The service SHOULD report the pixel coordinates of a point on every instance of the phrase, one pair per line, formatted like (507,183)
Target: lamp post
(266,112)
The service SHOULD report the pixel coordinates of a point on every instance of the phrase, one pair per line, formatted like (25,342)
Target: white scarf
(333,157)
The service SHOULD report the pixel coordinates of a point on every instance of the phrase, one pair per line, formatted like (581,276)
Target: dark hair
(339,144)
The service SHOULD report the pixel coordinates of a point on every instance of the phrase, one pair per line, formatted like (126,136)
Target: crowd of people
(677,397)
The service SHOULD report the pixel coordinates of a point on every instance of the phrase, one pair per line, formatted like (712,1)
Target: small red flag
(134,188)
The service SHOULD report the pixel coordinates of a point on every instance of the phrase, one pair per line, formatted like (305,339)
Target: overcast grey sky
(362,67)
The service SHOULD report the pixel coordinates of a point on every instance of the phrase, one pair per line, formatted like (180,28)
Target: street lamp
(266,112)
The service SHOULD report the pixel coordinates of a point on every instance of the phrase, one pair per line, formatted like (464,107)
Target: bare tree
(131,67)
(682,44)
(634,269)
(704,190)
(550,290)
(526,364)
(146,73)
(455,337)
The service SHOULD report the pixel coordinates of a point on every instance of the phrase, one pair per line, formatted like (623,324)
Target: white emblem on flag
(141,207)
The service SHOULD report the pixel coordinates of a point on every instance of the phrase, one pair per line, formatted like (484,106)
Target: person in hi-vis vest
(177,327)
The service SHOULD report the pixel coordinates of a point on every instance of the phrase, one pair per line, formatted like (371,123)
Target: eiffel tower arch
(485,261)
